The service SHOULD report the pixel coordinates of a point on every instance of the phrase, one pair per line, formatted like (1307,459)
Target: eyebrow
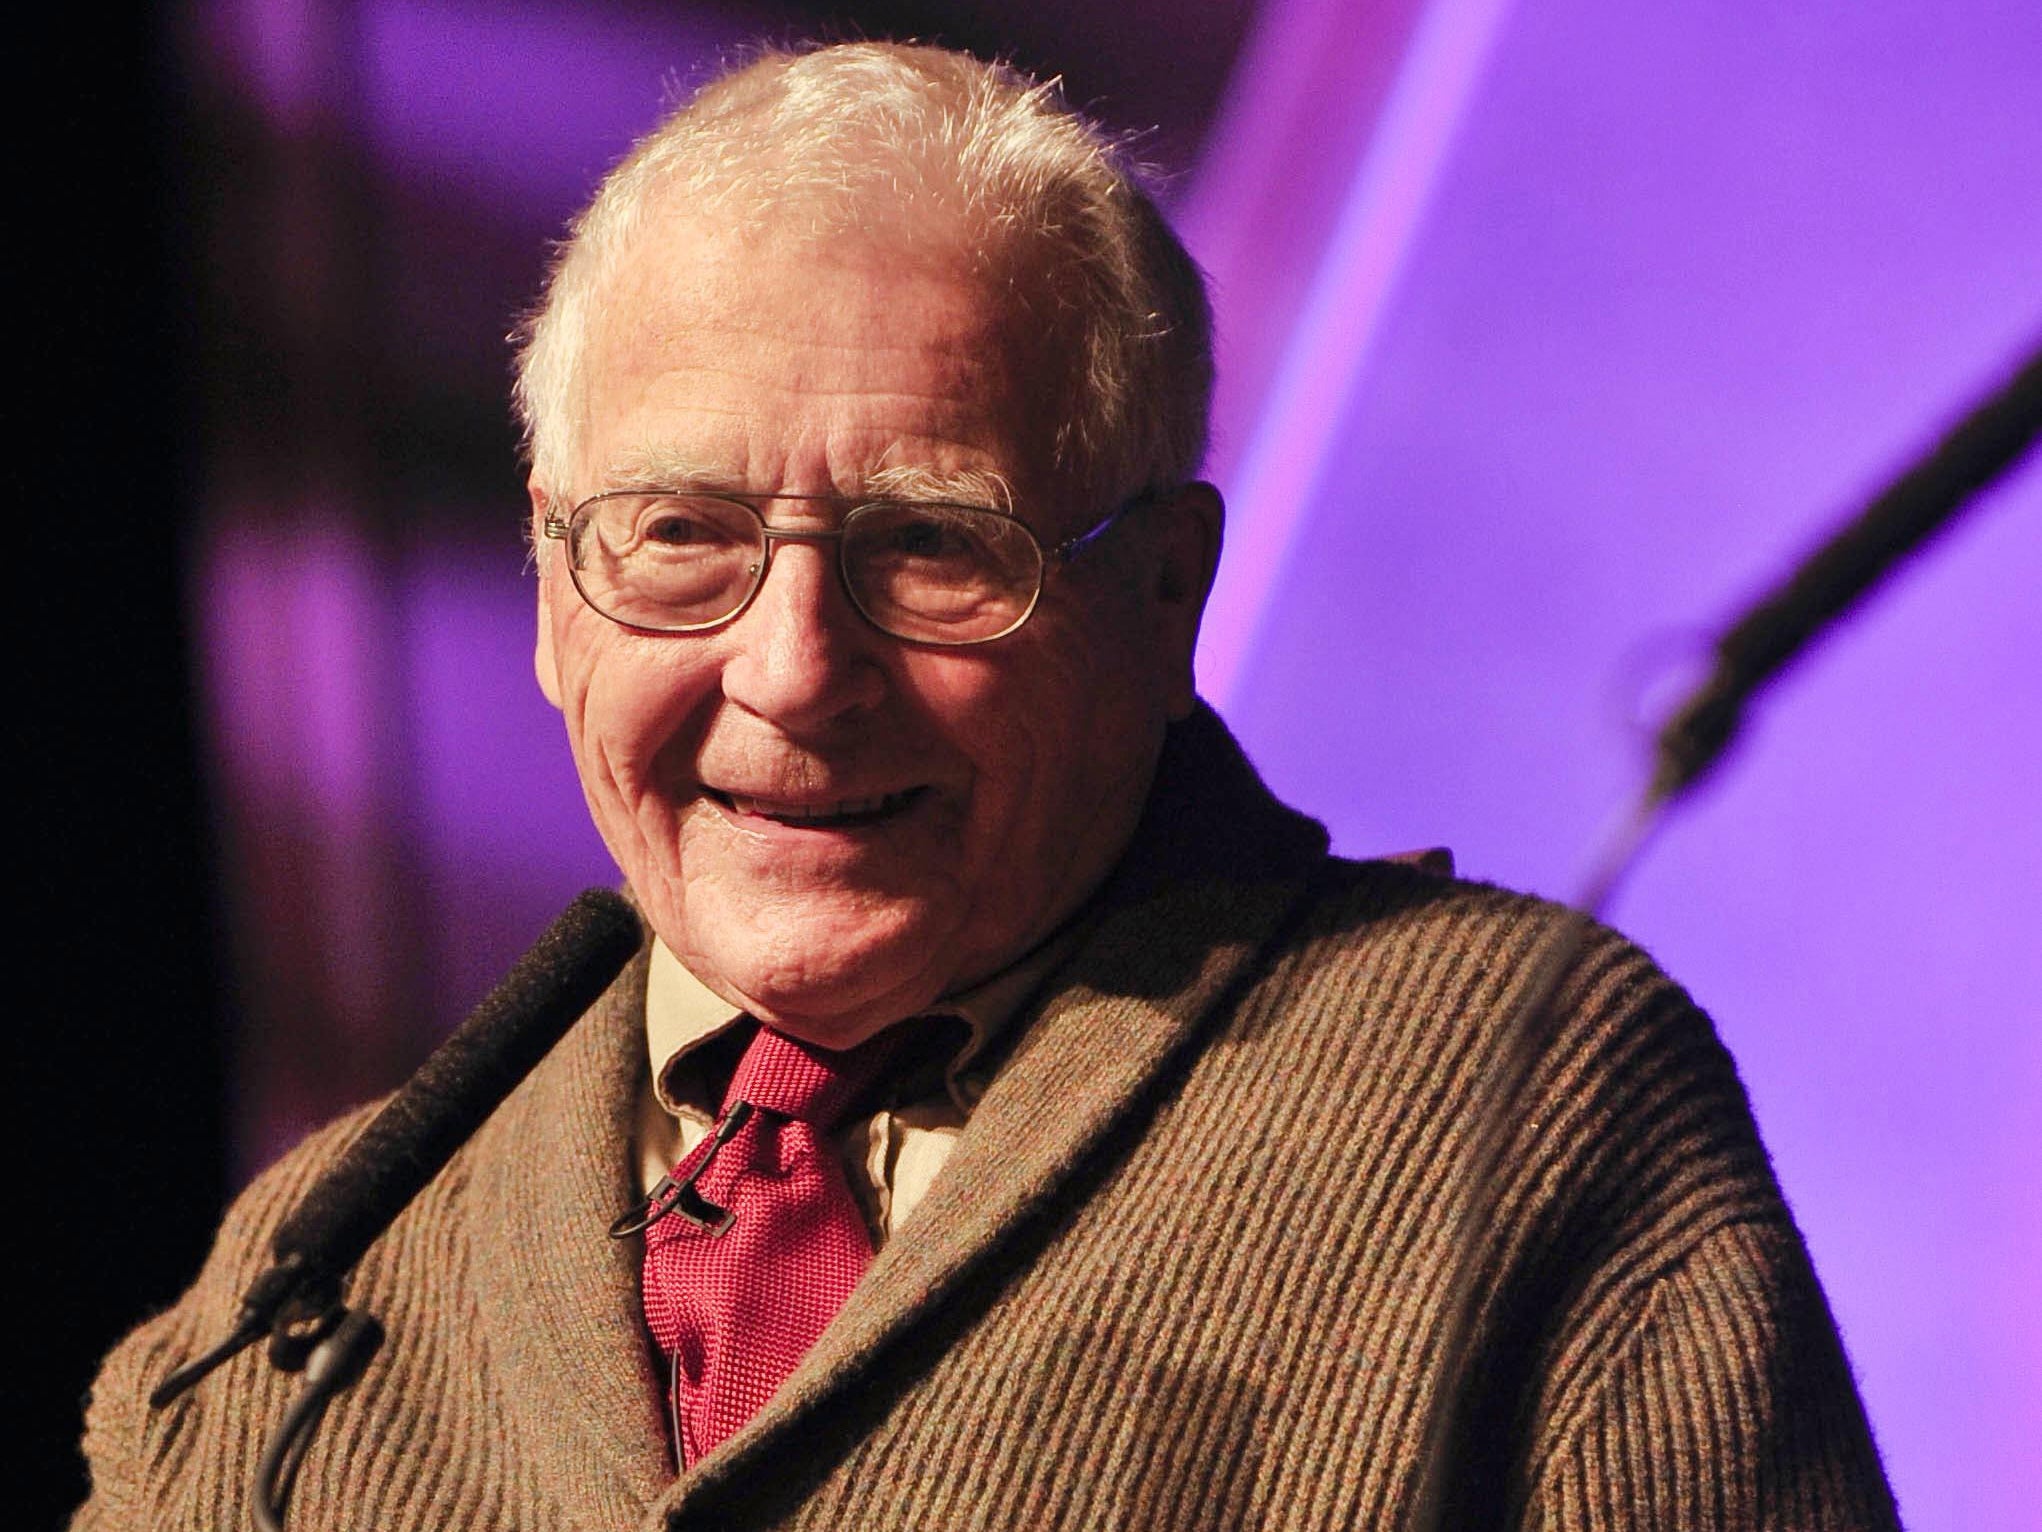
(664,468)
(964,486)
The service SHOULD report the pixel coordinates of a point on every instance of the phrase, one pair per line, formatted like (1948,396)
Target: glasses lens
(666,561)
(941,574)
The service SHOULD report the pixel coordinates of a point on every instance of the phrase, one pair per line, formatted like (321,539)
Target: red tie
(762,1241)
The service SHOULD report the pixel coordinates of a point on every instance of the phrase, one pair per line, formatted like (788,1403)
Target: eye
(676,531)
(926,539)
(673,526)
(922,535)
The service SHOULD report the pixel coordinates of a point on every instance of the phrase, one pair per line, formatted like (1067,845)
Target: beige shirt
(891,1157)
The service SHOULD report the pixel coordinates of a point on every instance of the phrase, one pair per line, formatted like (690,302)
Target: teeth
(815,813)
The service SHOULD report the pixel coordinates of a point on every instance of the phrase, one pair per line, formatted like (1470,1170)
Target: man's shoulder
(1415,908)
(489,1228)
(241,1245)
(1491,1000)
(1376,908)
(1489,985)
(117,1409)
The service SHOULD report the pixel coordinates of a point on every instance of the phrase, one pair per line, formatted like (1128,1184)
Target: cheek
(625,699)
(1094,726)
(1042,740)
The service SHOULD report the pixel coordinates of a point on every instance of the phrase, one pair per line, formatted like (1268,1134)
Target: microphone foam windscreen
(440,1107)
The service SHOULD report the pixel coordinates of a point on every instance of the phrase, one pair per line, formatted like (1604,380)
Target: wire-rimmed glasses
(685,561)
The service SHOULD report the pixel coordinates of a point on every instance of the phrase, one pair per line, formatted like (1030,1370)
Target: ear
(1186,529)
(544,665)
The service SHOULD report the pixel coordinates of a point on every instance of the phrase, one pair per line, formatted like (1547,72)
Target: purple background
(1551,331)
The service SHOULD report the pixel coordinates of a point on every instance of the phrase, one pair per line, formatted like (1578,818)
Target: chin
(822,978)
(822,1020)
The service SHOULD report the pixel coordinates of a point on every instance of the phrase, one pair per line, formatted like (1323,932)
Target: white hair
(837,135)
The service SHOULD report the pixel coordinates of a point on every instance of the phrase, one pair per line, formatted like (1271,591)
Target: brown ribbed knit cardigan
(1184,1269)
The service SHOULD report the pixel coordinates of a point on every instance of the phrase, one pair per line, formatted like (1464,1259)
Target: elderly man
(1018,1119)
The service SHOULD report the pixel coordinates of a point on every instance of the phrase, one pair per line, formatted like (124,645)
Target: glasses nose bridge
(817,536)
(774,534)
(812,535)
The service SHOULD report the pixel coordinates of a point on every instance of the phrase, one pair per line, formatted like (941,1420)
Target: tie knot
(808,1084)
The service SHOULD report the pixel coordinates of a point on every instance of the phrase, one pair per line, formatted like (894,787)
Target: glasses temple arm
(1070,548)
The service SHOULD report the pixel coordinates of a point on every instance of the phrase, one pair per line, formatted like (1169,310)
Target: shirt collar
(683,1016)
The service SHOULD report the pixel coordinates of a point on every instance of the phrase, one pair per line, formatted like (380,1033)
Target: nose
(802,657)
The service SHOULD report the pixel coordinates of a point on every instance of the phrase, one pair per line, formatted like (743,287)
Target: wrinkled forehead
(827,302)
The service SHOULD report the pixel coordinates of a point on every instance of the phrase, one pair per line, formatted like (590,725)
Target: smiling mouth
(838,814)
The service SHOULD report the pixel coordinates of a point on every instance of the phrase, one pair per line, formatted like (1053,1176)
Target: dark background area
(119,1048)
